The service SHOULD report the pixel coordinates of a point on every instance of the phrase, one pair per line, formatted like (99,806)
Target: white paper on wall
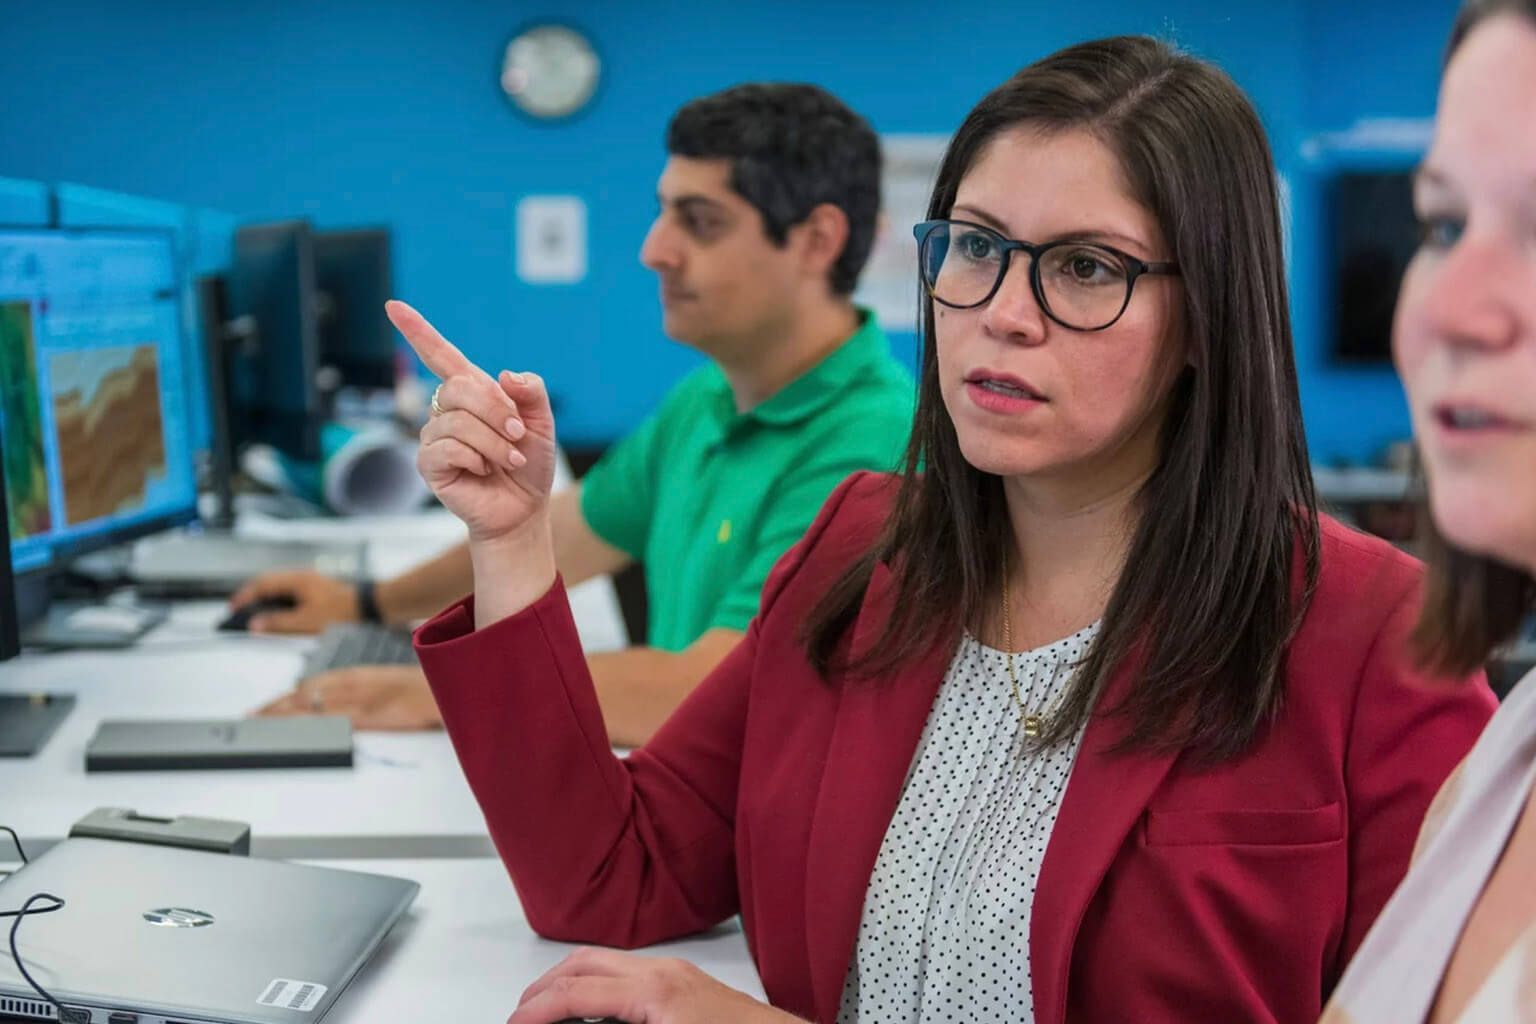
(551,239)
(889,285)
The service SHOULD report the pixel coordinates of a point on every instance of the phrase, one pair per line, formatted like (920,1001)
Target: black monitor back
(220,336)
(274,397)
(355,280)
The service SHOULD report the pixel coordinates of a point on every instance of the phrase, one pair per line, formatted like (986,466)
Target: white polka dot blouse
(944,935)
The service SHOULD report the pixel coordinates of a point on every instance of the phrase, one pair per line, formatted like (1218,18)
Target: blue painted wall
(388,111)
(23,203)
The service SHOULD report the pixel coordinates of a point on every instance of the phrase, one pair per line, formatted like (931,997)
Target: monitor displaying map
(96,446)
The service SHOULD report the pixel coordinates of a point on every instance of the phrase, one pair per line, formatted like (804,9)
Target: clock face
(550,71)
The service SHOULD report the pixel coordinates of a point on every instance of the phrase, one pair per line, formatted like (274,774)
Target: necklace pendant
(1033,726)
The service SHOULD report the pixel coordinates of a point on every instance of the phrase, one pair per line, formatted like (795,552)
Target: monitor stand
(27,720)
(54,620)
(81,625)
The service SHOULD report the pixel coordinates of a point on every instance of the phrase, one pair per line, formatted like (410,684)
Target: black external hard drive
(122,745)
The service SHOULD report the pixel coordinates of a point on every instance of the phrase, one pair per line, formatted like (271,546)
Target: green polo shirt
(709,498)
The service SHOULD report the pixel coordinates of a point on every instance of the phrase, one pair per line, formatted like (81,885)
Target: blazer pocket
(1245,828)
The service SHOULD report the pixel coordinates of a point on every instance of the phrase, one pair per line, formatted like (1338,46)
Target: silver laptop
(217,564)
(158,935)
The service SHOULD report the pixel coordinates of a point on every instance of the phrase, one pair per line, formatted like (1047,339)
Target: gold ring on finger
(437,410)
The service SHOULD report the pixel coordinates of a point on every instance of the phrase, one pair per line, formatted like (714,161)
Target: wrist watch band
(368,603)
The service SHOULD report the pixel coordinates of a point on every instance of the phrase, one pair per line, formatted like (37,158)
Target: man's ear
(821,239)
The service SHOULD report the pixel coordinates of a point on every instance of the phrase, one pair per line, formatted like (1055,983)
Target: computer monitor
(356,339)
(275,395)
(92,403)
(10,622)
(1373,235)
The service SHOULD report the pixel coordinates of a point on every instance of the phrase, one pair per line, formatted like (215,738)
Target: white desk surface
(465,951)
(404,797)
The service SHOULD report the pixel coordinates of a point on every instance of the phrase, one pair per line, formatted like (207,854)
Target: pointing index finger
(437,352)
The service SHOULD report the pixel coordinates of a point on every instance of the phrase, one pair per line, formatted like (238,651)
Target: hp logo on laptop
(178,917)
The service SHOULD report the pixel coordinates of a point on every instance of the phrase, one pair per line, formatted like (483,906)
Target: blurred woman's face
(1465,335)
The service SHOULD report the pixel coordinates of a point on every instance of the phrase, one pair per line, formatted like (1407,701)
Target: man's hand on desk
(319,601)
(384,697)
(639,989)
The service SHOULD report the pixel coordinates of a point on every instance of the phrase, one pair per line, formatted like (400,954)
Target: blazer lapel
(875,733)
(1105,796)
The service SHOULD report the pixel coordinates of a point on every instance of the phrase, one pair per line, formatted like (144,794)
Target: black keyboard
(352,644)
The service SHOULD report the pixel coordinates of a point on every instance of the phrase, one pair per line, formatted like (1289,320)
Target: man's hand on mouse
(639,990)
(380,697)
(318,601)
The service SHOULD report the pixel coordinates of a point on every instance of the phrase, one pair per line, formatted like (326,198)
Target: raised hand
(488,452)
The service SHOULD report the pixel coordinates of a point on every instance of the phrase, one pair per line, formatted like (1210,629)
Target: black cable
(17,840)
(8,874)
(26,910)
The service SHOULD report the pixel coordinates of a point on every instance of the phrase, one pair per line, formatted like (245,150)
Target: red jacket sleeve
(1389,786)
(618,851)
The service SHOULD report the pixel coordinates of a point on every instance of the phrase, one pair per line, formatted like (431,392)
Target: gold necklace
(1034,724)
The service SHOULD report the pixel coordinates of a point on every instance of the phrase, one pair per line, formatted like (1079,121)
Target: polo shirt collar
(808,393)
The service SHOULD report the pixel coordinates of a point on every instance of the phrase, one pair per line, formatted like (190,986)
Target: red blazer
(1168,893)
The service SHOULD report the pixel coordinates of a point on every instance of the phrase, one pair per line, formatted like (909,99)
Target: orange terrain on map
(111,447)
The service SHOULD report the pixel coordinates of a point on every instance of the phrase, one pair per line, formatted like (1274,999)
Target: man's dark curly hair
(792,147)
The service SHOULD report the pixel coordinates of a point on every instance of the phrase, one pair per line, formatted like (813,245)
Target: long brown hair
(1472,603)
(1206,600)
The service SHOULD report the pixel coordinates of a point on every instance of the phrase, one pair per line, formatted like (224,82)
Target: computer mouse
(239,620)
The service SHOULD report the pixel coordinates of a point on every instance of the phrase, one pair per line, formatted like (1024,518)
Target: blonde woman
(1457,943)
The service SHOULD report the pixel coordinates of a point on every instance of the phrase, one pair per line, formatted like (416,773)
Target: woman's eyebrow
(1090,235)
(981,217)
(1105,237)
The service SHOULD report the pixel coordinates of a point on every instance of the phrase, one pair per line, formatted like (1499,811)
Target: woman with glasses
(1085,715)
(1458,940)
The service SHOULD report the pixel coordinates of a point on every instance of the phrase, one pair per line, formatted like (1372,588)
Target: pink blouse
(1398,969)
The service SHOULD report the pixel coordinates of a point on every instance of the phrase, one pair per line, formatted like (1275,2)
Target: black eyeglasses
(1081,285)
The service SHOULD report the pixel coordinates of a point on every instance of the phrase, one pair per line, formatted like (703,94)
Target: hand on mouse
(638,990)
(318,601)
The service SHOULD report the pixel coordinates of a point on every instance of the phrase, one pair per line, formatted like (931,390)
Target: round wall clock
(550,71)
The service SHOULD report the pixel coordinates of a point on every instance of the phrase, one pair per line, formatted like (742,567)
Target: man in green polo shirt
(713,496)
(768,206)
